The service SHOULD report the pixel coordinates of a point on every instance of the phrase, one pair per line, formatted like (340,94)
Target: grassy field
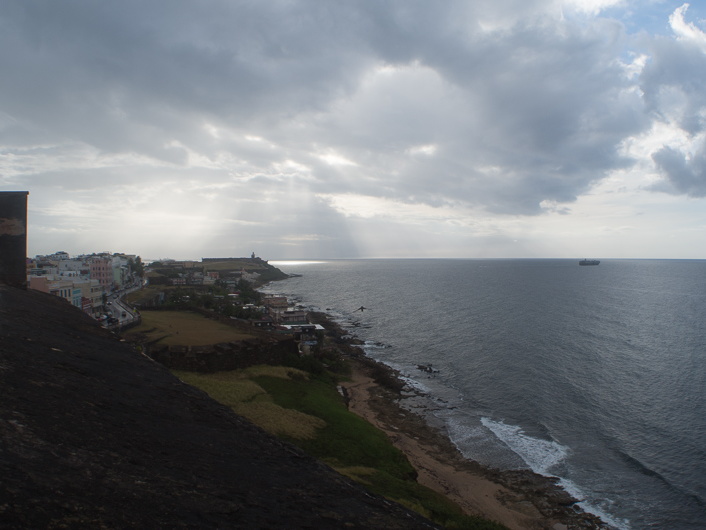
(240,391)
(266,272)
(232,265)
(184,328)
(147,293)
(310,413)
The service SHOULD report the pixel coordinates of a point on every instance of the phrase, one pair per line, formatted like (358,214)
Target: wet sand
(517,499)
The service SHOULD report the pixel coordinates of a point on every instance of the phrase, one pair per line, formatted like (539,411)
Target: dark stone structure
(222,357)
(13,238)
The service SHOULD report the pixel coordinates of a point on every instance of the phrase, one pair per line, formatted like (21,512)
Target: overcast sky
(369,128)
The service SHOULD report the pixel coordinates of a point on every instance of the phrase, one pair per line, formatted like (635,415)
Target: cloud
(525,105)
(317,119)
(123,83)
(593,7)
(687,175)
(687,31)
(672,83)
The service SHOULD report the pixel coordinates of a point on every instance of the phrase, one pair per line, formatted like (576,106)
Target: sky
(303,129)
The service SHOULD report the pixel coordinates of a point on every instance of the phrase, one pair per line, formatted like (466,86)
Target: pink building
(101,269)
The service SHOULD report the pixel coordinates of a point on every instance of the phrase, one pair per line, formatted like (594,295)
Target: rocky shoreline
(520,499)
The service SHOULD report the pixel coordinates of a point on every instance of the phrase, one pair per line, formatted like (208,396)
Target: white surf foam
(540,455)
(476,443)
(592,507)
(543,456)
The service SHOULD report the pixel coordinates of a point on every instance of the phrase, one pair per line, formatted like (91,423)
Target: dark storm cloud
(504,106)
(673,82)
(548,104)
(230,59)
(687,175)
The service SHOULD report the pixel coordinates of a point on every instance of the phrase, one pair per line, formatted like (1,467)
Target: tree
(139,267)
(248,293)
(136,266)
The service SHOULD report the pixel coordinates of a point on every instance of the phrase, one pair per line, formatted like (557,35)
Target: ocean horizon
(594,375)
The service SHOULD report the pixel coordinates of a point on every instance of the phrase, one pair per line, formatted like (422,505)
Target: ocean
(595,375)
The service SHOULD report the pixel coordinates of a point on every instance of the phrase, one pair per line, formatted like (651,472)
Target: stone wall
(223,356)
(13,238)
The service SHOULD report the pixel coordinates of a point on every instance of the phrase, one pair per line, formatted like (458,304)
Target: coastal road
(122,311)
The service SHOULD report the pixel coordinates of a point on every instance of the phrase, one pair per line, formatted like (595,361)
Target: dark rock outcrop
(96,435)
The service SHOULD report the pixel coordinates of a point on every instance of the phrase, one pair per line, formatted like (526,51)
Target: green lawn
(232,265)
(185,328)
(310,413)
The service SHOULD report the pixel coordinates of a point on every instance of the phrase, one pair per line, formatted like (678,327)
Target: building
(292,317)
(276,302)
(101,269)
(63,288)
(83,280)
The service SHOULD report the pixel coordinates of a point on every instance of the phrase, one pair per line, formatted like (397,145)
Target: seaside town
(113,287)
(87,281)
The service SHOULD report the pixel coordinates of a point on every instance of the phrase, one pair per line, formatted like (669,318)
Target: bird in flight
(361,309)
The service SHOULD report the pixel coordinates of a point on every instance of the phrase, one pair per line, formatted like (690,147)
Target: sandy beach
(517,499)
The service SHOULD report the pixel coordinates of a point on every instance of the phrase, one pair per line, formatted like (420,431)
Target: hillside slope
(93,434)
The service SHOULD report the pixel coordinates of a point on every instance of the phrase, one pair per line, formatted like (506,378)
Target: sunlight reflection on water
(287,263)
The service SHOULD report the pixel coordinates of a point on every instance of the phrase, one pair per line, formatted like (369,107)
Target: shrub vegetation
(304,407)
